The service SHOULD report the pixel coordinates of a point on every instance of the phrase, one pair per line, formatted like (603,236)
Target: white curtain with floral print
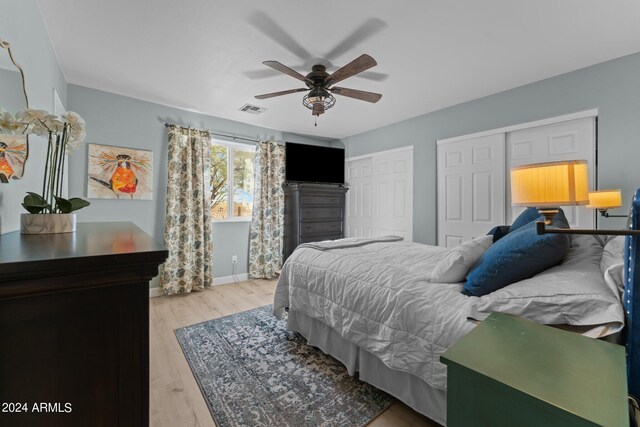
(267,223)
(187,233)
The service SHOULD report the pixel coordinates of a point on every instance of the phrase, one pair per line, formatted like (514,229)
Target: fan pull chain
(316,119)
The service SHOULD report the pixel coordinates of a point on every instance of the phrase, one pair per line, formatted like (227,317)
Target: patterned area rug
(253,372)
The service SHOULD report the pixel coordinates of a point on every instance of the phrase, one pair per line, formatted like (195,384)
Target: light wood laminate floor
(175,398)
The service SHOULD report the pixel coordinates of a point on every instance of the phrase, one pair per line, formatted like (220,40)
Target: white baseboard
(217,281)
(230,279)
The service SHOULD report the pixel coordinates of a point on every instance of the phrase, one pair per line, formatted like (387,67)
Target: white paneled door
(570,140)
(474,189)
(359,208)
(380,197)
(471,183)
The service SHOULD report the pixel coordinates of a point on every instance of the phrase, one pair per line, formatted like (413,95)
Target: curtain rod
(168,125)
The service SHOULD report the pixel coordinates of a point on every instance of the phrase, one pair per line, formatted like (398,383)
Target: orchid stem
(46,165)
(65,135)
(52,174)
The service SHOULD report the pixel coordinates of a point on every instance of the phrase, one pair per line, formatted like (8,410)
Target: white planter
(47,223)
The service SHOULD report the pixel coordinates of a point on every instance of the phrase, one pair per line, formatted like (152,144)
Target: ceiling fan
(320,84)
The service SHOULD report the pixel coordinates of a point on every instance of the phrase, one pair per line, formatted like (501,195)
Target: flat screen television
(311,163)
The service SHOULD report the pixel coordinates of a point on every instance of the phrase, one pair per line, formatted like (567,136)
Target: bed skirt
(408,388)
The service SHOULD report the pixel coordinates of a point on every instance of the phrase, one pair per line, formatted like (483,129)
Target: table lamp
(547,186)
(603,200)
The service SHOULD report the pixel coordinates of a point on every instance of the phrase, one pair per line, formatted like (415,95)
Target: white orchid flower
(8,124)
(76,123)
(36,119)
(32,116)
(39,129)
(73,118)
(77,132)
(53,123)
(6,121)
(73,144)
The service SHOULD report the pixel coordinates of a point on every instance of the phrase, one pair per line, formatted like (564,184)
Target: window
(231,193)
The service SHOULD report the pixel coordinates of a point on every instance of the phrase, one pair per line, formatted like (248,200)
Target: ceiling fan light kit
(320,84)
(318,101)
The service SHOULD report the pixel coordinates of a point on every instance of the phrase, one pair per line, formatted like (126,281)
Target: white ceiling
(206,55)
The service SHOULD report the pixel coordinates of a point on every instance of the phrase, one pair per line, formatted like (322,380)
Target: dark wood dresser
(74,326)
(313,212)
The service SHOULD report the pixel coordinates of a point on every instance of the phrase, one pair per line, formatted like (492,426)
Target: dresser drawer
(320,238)
(312,213)
(321,199)
(315,228)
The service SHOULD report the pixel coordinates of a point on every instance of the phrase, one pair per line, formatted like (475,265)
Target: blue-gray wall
(612,87)
(21,25)
(128,122)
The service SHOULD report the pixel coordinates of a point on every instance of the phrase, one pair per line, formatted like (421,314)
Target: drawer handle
(328,213)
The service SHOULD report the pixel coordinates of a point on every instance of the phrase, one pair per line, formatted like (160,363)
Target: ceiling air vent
(253,109)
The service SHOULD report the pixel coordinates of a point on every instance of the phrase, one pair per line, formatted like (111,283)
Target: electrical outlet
(234,259)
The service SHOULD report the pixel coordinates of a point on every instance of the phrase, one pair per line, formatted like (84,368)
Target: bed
(372,304)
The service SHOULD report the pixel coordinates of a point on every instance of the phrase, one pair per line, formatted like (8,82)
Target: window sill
(222,221)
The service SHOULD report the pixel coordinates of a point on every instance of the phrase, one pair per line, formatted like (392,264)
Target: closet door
(471,183)
(570,140)
(393,193)
(359,206)
(380,197)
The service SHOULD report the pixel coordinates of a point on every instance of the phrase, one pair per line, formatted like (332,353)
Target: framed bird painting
(119,173)
(14,150)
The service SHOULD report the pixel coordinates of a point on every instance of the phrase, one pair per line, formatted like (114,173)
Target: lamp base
(549,214)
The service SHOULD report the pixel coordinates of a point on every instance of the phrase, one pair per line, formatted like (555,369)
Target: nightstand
(512,372)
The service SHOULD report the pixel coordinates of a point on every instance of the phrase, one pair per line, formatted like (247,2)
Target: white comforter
(378,296)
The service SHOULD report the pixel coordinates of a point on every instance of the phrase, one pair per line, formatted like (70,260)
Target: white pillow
(453,268)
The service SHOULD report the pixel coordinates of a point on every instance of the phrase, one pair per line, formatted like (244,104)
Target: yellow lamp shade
(605,199)
(548,185)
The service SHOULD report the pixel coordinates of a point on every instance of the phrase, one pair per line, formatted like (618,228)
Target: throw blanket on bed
(376,293)
(350,242)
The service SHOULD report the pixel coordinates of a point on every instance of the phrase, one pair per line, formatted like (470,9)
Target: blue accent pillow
(519,255)
(498,232)
(631,300)
(528,215)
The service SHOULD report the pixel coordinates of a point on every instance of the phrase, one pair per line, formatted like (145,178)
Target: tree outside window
(232,194)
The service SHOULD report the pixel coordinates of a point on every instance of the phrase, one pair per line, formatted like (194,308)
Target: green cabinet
(512,372)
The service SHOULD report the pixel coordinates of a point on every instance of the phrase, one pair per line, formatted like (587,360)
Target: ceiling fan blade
(362,33)
(286,70)
(284,92)
(358,65)
(261,74)
(274,31)
(357,94)
(372,75)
